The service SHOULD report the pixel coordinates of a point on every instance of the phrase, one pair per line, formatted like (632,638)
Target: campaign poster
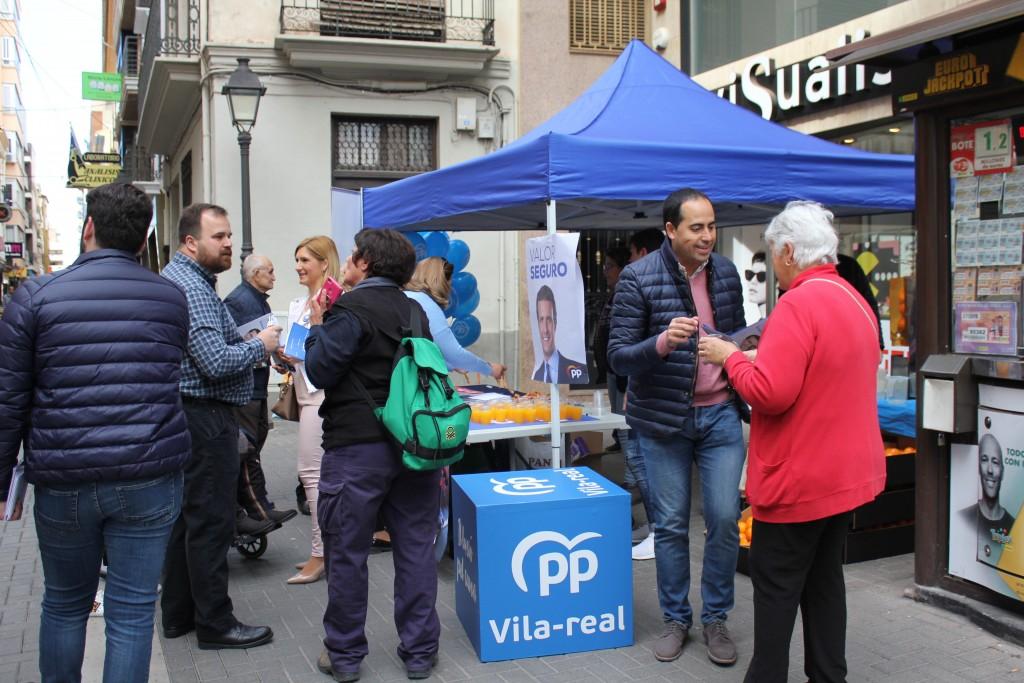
(986,496)
(554,285)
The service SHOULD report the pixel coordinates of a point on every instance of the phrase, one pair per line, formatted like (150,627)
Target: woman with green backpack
(352,355)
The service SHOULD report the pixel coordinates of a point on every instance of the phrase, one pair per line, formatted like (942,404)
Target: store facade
(961,75)
(790,81)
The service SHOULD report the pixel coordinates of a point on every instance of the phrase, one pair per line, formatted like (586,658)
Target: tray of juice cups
(522,411)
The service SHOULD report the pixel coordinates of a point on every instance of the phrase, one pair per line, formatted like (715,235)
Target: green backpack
(425,416)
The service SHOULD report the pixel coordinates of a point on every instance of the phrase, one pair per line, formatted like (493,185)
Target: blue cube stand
(542,562)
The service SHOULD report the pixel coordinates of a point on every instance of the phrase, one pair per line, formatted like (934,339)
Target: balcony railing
(179,37)
(128,56)
(136,165)
(436,21)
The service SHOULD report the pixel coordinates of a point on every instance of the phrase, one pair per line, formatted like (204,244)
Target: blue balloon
(458,254)
(467,306)
(453,303)
(437,244)
(464,283)
(466,329)
(419,244)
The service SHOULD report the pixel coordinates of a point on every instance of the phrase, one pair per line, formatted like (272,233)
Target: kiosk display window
(987,215)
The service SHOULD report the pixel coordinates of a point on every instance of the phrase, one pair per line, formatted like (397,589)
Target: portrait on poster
(555,293)
(986,541)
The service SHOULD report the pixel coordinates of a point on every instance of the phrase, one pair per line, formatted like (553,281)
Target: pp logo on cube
(553,568)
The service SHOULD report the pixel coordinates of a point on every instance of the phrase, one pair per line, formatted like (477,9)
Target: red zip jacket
(815,444)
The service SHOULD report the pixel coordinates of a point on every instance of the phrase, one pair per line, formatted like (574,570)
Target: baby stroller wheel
(252,547)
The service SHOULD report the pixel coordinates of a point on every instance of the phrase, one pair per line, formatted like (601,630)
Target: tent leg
(556,425)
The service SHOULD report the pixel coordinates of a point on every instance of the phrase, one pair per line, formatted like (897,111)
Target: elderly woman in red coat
(815,446)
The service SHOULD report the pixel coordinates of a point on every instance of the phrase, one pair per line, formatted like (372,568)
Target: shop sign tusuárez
(798,89)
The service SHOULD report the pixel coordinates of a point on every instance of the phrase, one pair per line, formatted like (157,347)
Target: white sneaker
(644,550)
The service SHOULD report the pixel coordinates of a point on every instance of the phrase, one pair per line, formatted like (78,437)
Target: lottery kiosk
(961,74)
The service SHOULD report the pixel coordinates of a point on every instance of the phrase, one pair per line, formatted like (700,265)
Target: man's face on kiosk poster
(990,467)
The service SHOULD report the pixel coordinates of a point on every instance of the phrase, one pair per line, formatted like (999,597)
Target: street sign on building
(101,86)
(16,249)
(92,169)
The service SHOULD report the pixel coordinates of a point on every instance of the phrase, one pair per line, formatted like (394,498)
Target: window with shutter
(394,146)
(605,26)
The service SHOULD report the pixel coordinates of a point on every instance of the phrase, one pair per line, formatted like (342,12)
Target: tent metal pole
(556,424)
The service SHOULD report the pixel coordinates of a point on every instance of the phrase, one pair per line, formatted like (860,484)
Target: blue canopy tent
(608,160)
(641,131)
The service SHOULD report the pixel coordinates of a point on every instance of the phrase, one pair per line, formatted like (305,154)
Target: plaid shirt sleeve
(212,355)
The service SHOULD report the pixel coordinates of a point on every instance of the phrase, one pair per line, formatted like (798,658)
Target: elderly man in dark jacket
(89,384)
(683,412)
(248,303)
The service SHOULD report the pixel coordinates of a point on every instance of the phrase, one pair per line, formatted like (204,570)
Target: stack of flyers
(16,491)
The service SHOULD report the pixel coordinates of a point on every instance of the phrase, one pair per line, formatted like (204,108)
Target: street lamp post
(244,91)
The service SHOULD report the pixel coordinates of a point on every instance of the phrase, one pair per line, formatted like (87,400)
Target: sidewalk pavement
(890,638)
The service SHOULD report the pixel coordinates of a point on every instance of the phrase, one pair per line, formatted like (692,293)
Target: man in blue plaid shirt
(216,376)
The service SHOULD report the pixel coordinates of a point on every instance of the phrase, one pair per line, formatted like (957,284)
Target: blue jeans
(713,439)
(132,521)
(636,473)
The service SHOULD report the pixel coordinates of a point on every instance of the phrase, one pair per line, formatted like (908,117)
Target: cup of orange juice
(499,413)
(575,411)
(563,411)
(542,412)
(529,411)
(515,412)
(484,414)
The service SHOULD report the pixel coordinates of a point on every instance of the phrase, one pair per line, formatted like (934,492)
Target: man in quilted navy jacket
(89,384)
(683,412)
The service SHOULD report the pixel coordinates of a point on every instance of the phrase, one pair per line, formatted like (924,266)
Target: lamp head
(243,91)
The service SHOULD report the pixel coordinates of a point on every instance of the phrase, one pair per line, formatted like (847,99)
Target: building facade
(357,94)
(19,237)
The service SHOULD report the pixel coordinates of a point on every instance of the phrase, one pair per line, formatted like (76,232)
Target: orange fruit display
(746,531)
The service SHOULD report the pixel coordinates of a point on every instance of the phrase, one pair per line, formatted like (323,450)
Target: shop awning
(904,45)
(641,131)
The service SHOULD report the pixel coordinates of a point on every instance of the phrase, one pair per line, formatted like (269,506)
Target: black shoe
(304,508)
(279,517)
(379,545)
(323,663)
(614,448)
(238,637)
(244,524)
(178,630)
(420,674)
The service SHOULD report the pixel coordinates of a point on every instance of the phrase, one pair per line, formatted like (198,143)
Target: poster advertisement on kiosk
(555,293)
(986,500)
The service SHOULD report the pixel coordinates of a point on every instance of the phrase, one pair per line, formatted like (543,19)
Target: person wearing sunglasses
(430,287)
(756,275)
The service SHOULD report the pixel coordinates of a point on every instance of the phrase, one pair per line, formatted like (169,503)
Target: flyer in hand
(746,338)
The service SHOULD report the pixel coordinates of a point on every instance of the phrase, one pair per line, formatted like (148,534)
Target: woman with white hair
(815,445)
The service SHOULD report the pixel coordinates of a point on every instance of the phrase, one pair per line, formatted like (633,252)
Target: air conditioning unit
(141,20)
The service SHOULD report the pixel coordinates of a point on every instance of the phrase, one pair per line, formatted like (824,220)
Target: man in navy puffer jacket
(683,412)
(89,383)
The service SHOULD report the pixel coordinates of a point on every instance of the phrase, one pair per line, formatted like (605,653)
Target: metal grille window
(396,146)
(605,26)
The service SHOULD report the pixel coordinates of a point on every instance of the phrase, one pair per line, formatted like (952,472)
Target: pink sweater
(815,444)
